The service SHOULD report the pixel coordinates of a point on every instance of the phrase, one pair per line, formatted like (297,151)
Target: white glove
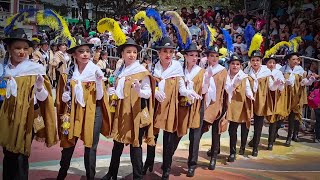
(250,96)
(39,82)
(288,82)
(304,82)
(160,96)
(136,85)
(111,90)
(99,76)
(278,82)
(208,75)
(193,95)
(66,96)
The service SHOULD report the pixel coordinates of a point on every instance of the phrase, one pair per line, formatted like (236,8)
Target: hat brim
(265,60)
(71,50)
(208,52)
(186,51)
(165,47)
(240,60)
(9,40)
(291,54)
(122,47)
(256,56)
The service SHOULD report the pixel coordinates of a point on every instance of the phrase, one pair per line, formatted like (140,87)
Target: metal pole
(268,13)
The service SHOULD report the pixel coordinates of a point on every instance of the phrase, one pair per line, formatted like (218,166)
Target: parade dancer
(240,108)
(27,112)
(43,55)
(82,109)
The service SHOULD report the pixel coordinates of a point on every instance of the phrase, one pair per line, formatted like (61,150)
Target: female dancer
(133,117)
(27,112)
(240,108)
(83,103)
(170,84)
(295,83)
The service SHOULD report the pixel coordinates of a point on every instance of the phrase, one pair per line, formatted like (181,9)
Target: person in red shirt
(210,14)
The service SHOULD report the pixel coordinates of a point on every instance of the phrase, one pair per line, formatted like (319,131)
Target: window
(25,6)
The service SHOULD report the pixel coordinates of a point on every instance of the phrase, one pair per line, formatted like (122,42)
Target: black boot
(295,137)
(255,152)
(148,165)
(244,137)
(250,144)
(272,132)
(209,152)
(213,161)
(190,172)
(233,126)
(165,175)
(290,129)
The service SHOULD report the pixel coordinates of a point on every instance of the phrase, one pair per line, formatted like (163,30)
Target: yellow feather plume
(213,33)
(295,43)
(108,24)
(275,48)
(56,22)
(36,39)
(255,43)
(224,52)
(182,27)
(150,24)
(140,15)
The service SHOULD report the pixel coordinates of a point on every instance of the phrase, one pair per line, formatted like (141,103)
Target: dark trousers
(135,156)
(293,126)
(15,166)
(317,125)
(151,153)
(89,153)
(258,124)
(272,132)
(233,127)
(194,138)
(215,144)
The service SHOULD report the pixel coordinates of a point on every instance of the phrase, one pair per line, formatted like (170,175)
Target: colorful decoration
(65,124)
(210,34)
(185,101)
(276,48)
(114,101)
(249,32)
(255,43)
(108,24)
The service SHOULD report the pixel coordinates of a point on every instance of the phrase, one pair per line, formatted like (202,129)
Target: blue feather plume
(228,39)
(292,36)
(179,37)
(151,13)
(21,16)
(49,12)
(249,32)
(208,40)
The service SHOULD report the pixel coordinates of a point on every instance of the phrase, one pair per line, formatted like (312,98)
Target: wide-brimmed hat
(80,41)
(17,35)
(129,42)
(265,60)
(234,57)
(191,48)
(44,41)
(213,49)
(256,53)
(165,43)
(286,58)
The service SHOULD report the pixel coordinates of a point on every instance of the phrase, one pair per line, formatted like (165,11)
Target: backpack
(314,99)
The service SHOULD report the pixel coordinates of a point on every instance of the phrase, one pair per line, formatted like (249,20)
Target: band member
(43,55)
(261,84)
(170,84)
(240,108)
(215,110)
(295,88)
(82,109)
(134,110)
(27,112)
(191,112)
(278,97)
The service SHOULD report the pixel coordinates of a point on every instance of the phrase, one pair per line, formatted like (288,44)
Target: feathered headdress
(36,39)
(295,43)
(182,30)
(228,39)
(210,34)
(276,48)
(56,22)
(249,32)
(108,24)
(255,43)
(153,23)
(22,16)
